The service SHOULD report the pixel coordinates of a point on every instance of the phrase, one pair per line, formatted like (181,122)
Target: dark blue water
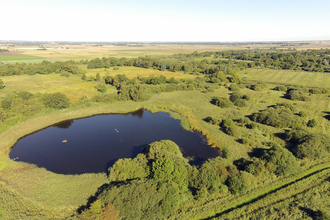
(95,143)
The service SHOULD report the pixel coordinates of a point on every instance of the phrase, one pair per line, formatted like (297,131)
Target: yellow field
(87,51)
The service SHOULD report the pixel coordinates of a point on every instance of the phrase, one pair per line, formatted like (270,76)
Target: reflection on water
(64,124)
(91,145)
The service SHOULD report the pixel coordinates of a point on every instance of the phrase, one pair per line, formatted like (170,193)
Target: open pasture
(72,86)
(289,77)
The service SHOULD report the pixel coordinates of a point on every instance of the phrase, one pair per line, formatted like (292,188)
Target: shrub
(25,95)
(234,96)
(227,122)
(244,120)
(128,168)
(232,130)
(303,114)
(213,120)
(84,77)
(312,146)
(6,104)
(253,126)
(3,116)
(295,95)
(222,102)
(55,100)
(246,97)
(281,88)
(283,163)
(240,103)
(236,184)
(315,91)
(295,135)
(312,123)
(234,87)
(101,88)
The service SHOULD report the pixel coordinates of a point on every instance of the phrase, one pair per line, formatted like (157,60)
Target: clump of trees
(280,116)
(56,100)
(280,161)
(159,180)
(45,67)
(308,145)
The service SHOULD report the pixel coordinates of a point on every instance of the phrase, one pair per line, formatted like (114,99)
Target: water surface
(95,143)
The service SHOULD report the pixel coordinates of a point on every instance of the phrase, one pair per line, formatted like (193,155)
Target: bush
(227,122)
(232,130)
(240,103)
(234,87)
(246,97)
(56,100)
(222,102)
(282,162)
(3,116)
(312,146)
(303,114)
(296,95)
(101,88)
(312,123)
(236,184)
(25,95)
(6,104)
(281,88)
(212,120)
(234,96)
(244,120)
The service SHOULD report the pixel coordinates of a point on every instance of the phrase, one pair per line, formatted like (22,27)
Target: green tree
(84,77)
(282,162)
(56,100)
(98,78)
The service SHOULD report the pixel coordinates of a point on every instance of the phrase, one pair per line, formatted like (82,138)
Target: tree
(84,77)
(56,100)
(282,162)
(98,78)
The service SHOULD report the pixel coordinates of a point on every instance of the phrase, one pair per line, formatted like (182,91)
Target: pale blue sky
(180,20)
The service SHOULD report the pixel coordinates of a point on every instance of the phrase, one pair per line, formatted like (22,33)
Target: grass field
(291,77)
(72,86)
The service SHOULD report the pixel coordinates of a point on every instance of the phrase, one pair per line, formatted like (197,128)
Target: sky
(166,20)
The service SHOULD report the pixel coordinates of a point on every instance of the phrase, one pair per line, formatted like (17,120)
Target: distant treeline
(45,67)
(310,60)
(180,62)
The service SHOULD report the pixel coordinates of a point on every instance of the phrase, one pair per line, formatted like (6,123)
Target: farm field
(261,190)
(31,54)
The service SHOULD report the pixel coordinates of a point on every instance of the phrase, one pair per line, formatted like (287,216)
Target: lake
(94,144)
